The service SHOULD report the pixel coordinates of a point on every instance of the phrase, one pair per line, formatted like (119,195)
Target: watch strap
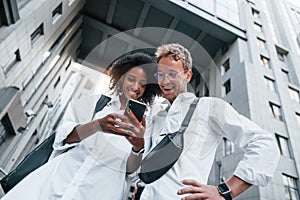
(226,194)
(138,153)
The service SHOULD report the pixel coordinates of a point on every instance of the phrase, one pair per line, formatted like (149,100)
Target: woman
(111,145)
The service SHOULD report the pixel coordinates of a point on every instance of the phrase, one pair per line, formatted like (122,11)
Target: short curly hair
(124,64)
(178,52)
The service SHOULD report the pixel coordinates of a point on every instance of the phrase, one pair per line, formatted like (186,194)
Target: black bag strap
(101,103)
(189,114)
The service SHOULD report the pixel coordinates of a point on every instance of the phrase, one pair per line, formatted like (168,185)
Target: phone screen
(137,108)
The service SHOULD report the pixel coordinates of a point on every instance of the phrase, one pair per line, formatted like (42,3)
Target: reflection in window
(298,118)
(225,67)
(227,86)
(70,2)
(285,75)
(6,129)
(276,111)
(255,13)
(257,27)
(270,83)
(251,3)
(260,43)
(264,62)
(283,145)
(56,13)
(2,133)
(294,94)
(228,147)
(290,187)
(37,34)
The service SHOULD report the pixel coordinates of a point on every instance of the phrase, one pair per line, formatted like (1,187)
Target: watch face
(223,188)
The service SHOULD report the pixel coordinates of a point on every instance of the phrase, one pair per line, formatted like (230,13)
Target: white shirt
(94,169)
(213,119)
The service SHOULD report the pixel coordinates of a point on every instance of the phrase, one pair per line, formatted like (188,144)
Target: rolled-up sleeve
(69,122)
(261,154)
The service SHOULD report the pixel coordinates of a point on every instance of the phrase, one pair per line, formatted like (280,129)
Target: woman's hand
(129,127)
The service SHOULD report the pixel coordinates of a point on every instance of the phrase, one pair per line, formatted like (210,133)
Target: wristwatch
(224,190)
(138,153)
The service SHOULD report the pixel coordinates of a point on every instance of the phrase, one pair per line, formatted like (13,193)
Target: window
(56,83)
(276,111)
(257,27)
(264,62)
(37,34)
(6,128)
(227,86)
(285,75)
(260,43)
(250,3)
(294,94)
(290,186)
(255,13)
(283,145)
(12,62)
(298,118)
(270,84)
(56,13)
(70,2)
(281,56)
(228,147)
(2,133)
(225,67)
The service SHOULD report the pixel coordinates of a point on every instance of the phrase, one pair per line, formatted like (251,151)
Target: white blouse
(93,169)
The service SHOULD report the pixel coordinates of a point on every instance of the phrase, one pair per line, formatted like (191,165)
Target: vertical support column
(9,13)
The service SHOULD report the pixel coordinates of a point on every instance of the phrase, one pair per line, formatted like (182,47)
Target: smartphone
(138,108)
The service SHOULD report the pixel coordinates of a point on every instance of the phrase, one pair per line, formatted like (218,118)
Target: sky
(295,2)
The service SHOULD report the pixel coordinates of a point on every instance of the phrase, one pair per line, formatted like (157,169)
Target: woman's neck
(123,101)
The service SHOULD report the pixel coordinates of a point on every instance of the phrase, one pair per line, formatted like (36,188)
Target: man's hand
(199,191)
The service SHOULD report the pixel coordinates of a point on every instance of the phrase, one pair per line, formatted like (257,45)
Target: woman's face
(134,83)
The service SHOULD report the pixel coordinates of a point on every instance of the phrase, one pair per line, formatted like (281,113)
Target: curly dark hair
(125,64)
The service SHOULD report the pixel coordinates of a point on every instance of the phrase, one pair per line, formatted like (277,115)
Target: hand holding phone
(138,108)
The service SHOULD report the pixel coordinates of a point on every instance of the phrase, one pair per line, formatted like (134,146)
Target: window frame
(283,145)
(290,183)
(265,62)
(270,83)
(227,86)
(57,13)
(276,113)
(294,94)
(37,34)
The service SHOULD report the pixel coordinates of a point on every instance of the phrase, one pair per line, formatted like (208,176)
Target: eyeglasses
(171,75)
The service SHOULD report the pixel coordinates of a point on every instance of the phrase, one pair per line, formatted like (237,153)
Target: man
(213,119)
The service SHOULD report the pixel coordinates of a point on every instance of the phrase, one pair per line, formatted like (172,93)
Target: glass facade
(227,10)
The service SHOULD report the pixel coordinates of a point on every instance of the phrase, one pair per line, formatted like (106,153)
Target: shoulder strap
(101,103)
(190,112)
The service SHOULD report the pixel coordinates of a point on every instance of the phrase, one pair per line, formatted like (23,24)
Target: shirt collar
(181,97)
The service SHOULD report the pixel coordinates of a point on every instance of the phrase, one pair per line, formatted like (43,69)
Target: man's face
(171,77)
